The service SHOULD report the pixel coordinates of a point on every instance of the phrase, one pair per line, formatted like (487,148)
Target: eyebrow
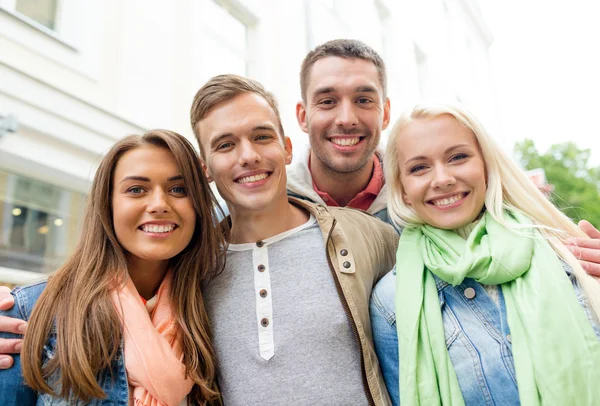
(145,179)
(260,127)
(218,139)
(264,127)
(358,89)
(366,89)
(419,157)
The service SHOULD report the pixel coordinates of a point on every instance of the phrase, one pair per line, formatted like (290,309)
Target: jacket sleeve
(389,247)
(13,391)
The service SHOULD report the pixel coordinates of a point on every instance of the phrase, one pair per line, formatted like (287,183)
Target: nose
(157,202)
(443,178)
(346,114)
(248,154)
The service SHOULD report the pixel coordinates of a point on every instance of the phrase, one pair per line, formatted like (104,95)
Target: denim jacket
(13,390)
(477,337)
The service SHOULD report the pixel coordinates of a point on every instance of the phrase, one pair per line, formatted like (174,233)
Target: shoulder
(358,225)
(360,218)
(25,298)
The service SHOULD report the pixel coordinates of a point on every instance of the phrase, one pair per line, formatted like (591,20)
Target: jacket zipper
(352,322)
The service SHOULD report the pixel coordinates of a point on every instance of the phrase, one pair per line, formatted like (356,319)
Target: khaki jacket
(361,249)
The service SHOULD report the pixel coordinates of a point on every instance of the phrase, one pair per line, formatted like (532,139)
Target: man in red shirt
(343,110)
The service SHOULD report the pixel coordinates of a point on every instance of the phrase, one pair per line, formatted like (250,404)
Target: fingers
(11,325)
(10,346)
(589,229)
(589,258)
(583,243)
(6,299)
(590,267)
(6,361)
(585,254)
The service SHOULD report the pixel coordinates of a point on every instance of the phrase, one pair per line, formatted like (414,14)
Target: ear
(386,113)
(288,150)
(206,173)
(301,116)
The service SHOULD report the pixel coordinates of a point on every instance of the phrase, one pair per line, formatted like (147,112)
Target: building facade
(75,76)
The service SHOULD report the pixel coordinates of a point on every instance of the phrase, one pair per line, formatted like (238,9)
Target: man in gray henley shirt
(281,332)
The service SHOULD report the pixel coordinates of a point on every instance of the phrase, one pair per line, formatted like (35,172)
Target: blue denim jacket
(477,337)
(13,390)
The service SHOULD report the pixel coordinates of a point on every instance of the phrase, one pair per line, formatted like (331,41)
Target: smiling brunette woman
(490,308)
(123,321)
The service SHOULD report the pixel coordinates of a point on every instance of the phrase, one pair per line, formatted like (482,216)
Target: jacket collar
(336,242)
(299,180)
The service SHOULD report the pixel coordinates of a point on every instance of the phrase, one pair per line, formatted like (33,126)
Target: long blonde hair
(507,188)
(76,306)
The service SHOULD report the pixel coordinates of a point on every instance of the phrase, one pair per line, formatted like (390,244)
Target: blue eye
(458,157)
(180,190)
(364,100)
(417,168)
(225,145)
(135,190)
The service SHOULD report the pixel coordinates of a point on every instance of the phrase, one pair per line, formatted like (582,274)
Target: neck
(341,186)
(147,275)
(251,226)
(465,230)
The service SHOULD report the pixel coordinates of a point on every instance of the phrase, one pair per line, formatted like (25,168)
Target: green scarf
(556,353)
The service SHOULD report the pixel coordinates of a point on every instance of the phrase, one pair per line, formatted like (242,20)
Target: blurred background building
(76,75)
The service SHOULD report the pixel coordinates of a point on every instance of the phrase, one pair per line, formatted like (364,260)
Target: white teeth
(345,142)
(158,228)
(253,178)
(448,201)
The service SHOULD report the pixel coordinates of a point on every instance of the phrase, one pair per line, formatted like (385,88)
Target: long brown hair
(77,303)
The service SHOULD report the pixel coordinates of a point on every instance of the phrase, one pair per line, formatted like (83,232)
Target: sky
(546,64)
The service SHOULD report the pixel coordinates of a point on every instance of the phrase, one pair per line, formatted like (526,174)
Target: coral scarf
(556,353)
(153,353)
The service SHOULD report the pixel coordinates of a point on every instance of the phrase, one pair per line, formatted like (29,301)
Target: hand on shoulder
(587,250)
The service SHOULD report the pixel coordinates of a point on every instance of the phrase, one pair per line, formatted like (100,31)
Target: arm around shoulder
(13,390)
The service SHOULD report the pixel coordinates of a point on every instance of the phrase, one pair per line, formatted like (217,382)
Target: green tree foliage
(576,184)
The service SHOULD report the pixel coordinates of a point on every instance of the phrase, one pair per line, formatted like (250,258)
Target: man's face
(344,112)
(244,153)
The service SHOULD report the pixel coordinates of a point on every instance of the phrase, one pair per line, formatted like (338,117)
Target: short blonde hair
(508,187)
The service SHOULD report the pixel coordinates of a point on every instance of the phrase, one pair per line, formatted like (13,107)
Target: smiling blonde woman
(490,307)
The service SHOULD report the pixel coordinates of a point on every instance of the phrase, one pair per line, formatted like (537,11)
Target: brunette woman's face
(153,216)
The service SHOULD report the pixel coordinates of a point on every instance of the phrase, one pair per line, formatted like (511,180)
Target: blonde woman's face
(442,172)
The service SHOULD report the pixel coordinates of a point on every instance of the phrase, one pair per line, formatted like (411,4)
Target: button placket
(264,304)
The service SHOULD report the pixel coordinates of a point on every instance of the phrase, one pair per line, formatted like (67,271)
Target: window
(43,12)
(226,40)
(39,223)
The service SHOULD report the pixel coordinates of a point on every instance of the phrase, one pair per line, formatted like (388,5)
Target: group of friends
(431,273)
